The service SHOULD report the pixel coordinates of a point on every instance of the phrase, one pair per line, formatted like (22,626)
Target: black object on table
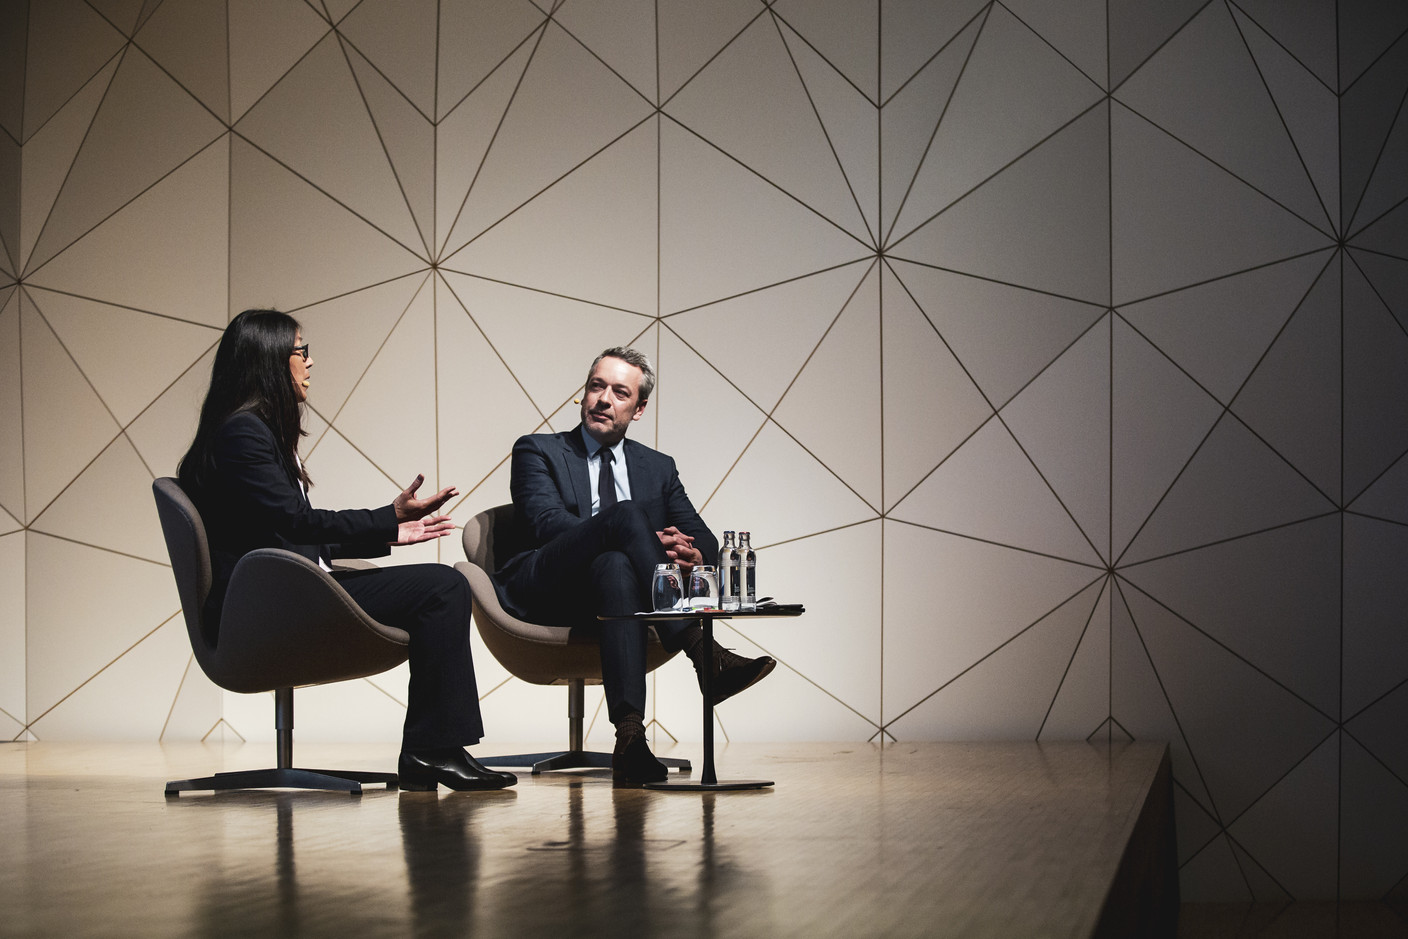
(708,780)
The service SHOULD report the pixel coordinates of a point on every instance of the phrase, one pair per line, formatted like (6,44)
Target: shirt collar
(593,446)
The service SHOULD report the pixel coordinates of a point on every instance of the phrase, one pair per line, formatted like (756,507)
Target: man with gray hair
(599,512)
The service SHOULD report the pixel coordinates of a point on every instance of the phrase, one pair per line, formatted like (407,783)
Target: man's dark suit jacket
(551,492)
(255,502)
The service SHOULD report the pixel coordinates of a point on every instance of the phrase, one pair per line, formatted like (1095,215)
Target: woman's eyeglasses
(301,350)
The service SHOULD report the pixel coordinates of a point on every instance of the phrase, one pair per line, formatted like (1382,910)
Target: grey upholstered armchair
(261,647)
(539,654)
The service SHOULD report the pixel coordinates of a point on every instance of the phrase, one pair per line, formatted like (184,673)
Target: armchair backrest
(490,537)
(189,551)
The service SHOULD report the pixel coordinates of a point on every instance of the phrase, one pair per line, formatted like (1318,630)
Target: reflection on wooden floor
(858,840)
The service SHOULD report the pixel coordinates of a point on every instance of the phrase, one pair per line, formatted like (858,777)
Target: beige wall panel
(1311,109)
(315,122)
(759,341)
(778,491)
(1205,88)
(474,40)
(191,41)
(1015,90)
(593,234)
(910,119)
(390,416)
(267,37)
(1062,422)
(11,729)
(463,138)
(196,707)
(989,489)
(1159,418)
(1234,485)
(13,652)
(291,246)
(1006,695)
(567,107)
(1043,222)
(343,478)
(409,140)
(481,406)
(1218,331)
(146,127)
(68,42)
(1179,219)
(836,643)
(250,717)
(849,42)
(1082,704)
(394,35)
(751,104)
(950,601)
(910,34)
(164,431)
(87,607)
(1004,336)
(109,506)
(705,424)
(65,423)
(129,357)
(930,403)
(548,342)
(851,122)
(787,706)
(623,33)
(1076,30)
(130,699)
(692,33)
(167,252)
(348,331)
(833,407)
(724,231)
(48,156)
(11,413)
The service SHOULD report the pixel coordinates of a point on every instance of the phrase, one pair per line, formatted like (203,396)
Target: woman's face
(299,363)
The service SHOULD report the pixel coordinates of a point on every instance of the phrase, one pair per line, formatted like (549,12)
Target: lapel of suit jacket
(575,458)
(637,468)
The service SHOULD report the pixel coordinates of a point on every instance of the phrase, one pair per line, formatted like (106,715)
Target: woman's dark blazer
(254,501)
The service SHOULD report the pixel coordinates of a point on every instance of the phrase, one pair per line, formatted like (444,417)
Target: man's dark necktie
(605,482)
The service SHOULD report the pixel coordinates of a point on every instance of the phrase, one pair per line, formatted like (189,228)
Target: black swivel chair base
(285,775)
(575,757)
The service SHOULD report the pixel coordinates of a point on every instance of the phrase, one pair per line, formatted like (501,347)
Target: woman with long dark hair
(244,474)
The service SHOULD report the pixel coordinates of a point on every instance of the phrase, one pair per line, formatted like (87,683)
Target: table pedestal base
(727,785)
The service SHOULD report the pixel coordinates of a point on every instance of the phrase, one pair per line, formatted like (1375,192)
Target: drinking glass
(704,587)
(666,588)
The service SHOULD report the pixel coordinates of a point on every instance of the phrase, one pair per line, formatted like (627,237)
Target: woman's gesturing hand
(423,529)
(408,507)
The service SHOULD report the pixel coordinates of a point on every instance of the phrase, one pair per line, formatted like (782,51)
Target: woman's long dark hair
(251,373)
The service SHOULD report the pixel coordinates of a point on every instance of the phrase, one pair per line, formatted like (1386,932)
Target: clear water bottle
(747,573)
(728,574)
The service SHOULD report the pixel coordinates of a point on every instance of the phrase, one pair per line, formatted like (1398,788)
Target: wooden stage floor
(928,839)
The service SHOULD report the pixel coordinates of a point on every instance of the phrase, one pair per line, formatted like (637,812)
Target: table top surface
(793,609)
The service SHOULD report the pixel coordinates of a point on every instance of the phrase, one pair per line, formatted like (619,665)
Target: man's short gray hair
(631,357)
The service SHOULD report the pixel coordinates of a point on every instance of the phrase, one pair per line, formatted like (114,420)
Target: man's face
(612,400)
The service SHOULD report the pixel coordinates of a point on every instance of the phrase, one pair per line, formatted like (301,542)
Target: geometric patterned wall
(1056,357)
